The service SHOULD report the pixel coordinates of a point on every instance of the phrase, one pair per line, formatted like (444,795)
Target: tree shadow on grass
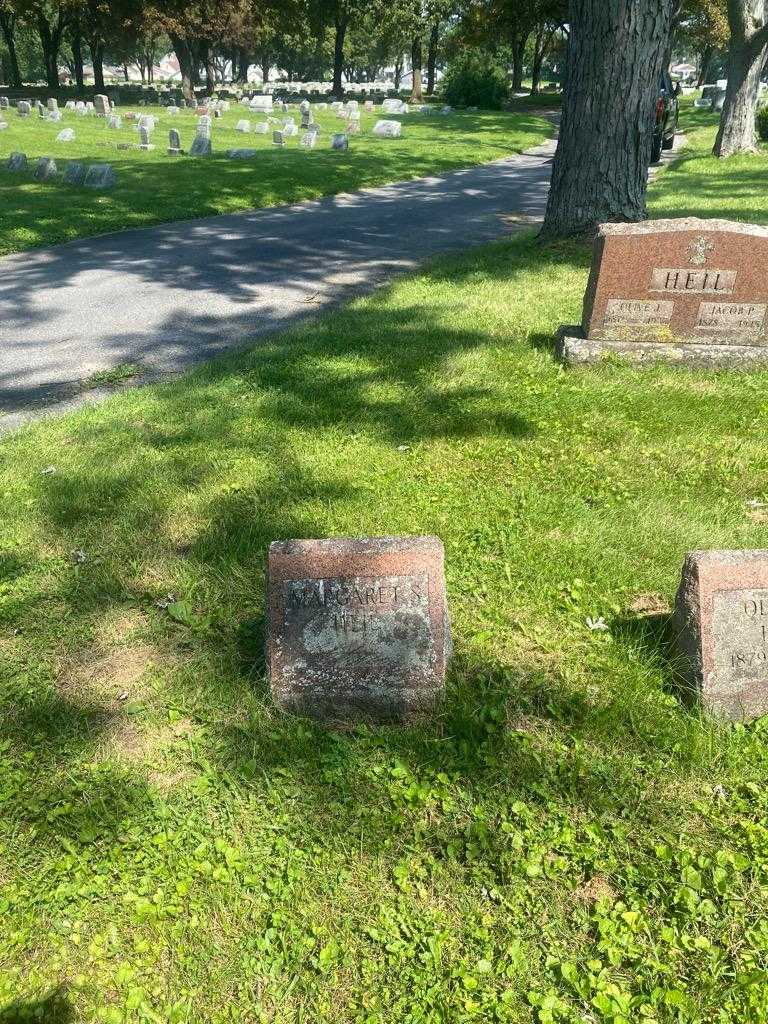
(54,1008)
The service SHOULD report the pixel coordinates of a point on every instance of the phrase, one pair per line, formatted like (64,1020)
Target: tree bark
(50,41)
(338,57)
(615,58)
(266,64)
(416,68)
(706,57)
(434,40)
(8,29)
(746,55)
(539,49)
(518,54)
(77,58)
(398,72)
(187,64)
(97,59)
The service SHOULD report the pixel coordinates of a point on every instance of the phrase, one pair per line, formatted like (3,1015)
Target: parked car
(667,113)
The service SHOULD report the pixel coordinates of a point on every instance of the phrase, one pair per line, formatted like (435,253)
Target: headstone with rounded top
(114,121)
(278,138)
(17,162)
(45,169)
(52,104)
(201,146)
(308,140)
(4,103)
(340,141)
(74,173)
(23,108)
(100,176)
(101,104)
(144,137)
(358,629)
(174,143)
(66,135)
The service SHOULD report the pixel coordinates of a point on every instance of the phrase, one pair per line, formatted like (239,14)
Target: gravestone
(42,110)
(174,143)
(304,107)
(721,631)
(353,128)
(289,130)
(243,126)
(703,103)
(261,128)
(388,129)
(173,110)
(308,140)
(147,121)
(4,103)
(340,141)
(357,629)
(240,154)
(144,142)
(100,176)
(278,139)
(369,106)
(66,135)
(45,169)
(17,162)
(52,104)
(70,105)
(114,121)
(23,108)
(201,146)
(3,124)
(55,116)
(101,105)
(74,173)
(686,291)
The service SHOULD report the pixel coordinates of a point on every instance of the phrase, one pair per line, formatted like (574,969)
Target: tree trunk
(746,55)
(615,58)
(97,59)
(8,29)
(187,65)
(398,72)
(266,64)
(518,54)
(210,71)
(434,39)
(416,66)
(706,57)
(338,57)
(539,49)
(77,58)
(49,41)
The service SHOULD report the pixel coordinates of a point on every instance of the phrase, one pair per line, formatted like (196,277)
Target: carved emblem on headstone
(700,249)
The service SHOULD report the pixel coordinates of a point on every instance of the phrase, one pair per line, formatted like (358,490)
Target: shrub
(475,79)
(762,123)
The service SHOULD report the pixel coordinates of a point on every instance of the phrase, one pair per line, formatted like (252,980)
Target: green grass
(565,843)
(154,187)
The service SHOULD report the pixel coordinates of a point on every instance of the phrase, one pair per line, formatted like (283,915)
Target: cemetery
(149,189)
(543,786)
(392,649)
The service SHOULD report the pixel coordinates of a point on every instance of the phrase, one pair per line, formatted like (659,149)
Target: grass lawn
(154,187)
(566,843)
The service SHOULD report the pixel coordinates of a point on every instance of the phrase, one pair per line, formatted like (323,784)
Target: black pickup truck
(667,112)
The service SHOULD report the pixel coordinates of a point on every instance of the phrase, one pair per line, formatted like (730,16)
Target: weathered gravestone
(685,291)
(23,108)
(240,154)
(100,176)
(66,135)
(721,631)
(278,138)
(388,129)
(243,125)
(74,173)
(17,162)
(340,141)
(114,121)
(3,124)
(52,104)
(55,116)
(174,143)
(261,128)
(353,128)
(201,146)
(45,169)
(144,142)
(4,103)
(308,140)
(357,629)
(101,104)
(42,110)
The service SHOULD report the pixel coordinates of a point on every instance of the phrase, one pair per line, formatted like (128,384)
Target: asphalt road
(168,297)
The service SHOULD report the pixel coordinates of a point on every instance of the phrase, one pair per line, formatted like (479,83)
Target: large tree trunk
(97,59)
(50,41)
(615,58)
(518,55)
(434,40)
(706,57)
(539,49)
(187,65)
(398,72)
(77,58)
(266,64)
(746,55)
(338,57)
(416,67)
(8,29)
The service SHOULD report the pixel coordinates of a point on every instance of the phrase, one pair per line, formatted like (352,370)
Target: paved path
(167,297)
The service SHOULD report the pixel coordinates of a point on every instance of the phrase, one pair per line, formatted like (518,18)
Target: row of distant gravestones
(76,173)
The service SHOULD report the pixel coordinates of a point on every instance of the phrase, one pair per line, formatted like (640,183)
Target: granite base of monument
(358,630)
(721,631)
(574,349)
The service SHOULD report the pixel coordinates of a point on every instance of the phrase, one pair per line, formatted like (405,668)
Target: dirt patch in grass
(107,678)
